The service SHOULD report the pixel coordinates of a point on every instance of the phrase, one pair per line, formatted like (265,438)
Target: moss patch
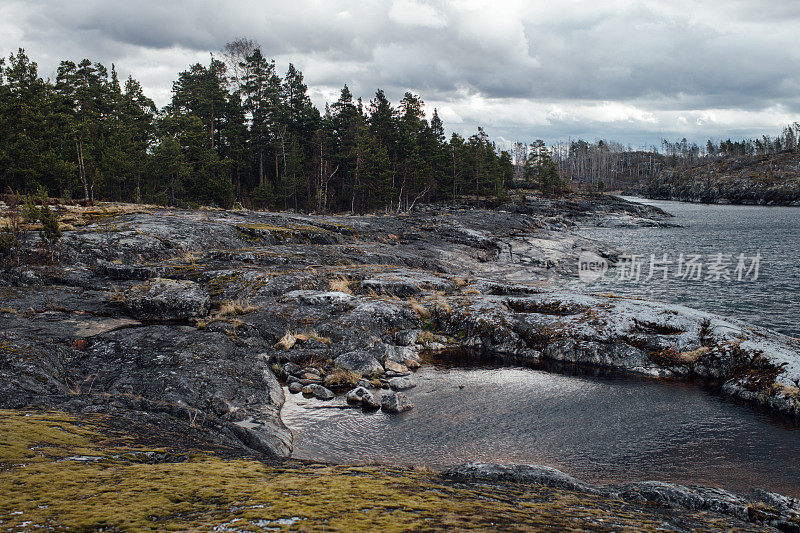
(46,486)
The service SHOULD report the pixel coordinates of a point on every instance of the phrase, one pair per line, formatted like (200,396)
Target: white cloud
(415,14)
(522,68)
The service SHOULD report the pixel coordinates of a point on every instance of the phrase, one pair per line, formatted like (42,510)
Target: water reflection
(603,428)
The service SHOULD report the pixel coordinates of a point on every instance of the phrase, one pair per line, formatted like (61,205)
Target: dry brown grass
(234,308)
(290,338)
(286,342)
(443,306)
(693,356)
(341,378)
(115,295)
(419,309)
(312,335)
(341,284)
(459,282)
(788,390)
(427,337)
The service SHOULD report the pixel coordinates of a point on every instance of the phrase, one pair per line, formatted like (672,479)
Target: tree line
(609,164)
(235,130)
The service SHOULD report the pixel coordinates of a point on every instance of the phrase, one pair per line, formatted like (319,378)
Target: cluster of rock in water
(309,381)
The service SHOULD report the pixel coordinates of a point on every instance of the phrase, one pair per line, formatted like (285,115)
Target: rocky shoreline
(193,319)
(765,180)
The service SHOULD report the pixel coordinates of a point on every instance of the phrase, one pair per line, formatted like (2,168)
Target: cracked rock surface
(195,316)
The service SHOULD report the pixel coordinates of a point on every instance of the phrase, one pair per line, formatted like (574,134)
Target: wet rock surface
(193,316)
(396,402)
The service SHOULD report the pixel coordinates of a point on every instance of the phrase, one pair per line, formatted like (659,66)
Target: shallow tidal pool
(598,427)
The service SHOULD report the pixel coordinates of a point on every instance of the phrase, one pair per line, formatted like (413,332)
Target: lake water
(604,426)
(772,300)
(598,428)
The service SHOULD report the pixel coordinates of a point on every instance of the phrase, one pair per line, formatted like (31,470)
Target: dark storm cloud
(672,69)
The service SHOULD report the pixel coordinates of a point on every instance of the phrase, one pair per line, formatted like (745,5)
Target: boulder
(318,391)
(360,362)
(358,395)
(288,368)
(401,383)
(407,356)
(533,474)
(295,387)
(167,299)
(396,402)
(338,300)
(370,402)
(394,366)
(407,337)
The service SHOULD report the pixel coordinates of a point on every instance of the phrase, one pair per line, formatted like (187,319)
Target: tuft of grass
(235,308)
(341,285)
(286,342)
(115,295)
(290,338)
(341,378)
(692,356)
(312,335)
(419,309)
(428,337)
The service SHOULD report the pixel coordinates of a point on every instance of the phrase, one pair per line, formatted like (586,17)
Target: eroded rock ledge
(191,316)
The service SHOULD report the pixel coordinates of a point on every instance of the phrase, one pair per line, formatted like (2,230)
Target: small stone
(356,395)
(318,391)
(312,370)
(396,402)
(295,387)
(394,366)
(401,384)
(289,368)
(364,383)
(370,402)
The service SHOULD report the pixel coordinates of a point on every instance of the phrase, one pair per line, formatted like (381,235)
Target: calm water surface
(600,428)
(772,300)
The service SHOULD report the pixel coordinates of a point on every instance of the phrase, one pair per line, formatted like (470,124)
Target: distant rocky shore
(769,180)
(196,321)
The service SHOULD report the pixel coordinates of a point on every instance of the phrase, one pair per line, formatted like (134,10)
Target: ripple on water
(772,300)
(598,428)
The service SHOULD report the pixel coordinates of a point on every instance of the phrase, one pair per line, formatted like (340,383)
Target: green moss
(43,487)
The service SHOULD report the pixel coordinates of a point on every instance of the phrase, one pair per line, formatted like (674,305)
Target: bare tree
(234,53)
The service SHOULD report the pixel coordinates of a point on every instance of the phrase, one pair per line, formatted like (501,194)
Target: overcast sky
(631,70)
